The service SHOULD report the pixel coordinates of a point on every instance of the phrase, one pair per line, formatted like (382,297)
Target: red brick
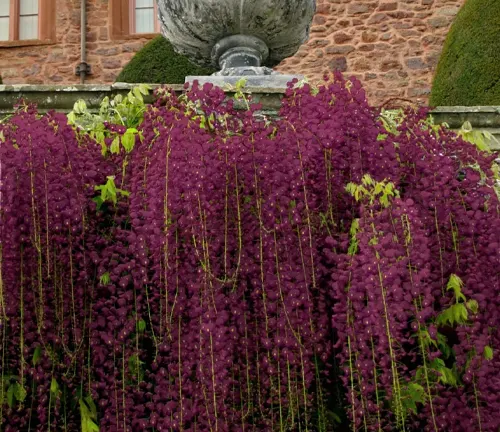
(346,35)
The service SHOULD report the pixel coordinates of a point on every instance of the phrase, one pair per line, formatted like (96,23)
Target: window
(4,20)
(131,18)
(144,17)
(26,20)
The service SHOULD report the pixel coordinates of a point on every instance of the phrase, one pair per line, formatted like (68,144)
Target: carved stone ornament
(239,37)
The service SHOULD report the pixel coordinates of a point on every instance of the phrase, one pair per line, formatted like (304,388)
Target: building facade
(393,46)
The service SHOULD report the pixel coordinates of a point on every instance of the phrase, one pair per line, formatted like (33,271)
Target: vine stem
(395,375)
(405,222)
(166,228)
(376,385)
(477,404)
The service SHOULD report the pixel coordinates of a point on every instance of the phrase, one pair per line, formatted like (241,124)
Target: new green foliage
(109,192)
(88,413)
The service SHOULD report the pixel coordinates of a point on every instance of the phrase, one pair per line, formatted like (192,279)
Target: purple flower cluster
(253,267)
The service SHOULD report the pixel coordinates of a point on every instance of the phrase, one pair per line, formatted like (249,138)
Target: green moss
(468,72)
(158,63)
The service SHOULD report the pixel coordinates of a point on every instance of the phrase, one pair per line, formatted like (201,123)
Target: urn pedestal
(241,38)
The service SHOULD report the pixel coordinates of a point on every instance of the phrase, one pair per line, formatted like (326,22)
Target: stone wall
(55,63)
(392,45)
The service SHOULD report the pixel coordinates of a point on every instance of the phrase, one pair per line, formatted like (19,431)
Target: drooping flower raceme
(217,270)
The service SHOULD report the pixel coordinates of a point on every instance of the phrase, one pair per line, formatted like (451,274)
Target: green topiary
(468,72)
(158,63)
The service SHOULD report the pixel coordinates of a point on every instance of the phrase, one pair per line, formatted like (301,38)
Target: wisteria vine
(190,266)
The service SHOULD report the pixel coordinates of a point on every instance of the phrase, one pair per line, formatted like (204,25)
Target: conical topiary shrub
(158,63)
(468,72)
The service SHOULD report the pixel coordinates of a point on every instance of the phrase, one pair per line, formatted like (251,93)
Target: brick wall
(392,45)
(55,63)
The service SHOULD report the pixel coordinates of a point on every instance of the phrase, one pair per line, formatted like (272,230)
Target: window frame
(122,23)
(46,24)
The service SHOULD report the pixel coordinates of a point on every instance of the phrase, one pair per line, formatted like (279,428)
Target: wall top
(62,98)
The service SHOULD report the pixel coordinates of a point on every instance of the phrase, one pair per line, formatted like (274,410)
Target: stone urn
(238,37)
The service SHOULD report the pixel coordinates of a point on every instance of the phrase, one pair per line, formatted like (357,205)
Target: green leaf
(54,387)
(105,279)
(93,409)
(443,345)
(88,415)
(80,107)
(488,352)
(98,200)
(455,314)
(10,396)
(141,326)
(379,187)
(417,392)
(20,392)
(71,118)
(351,188)
(203,121)
(131,98)
(353,245)
(211,121)
(240,84)
(473,306)
(411,395)
(36,355)
(109,192)
(134,363)
(144,89)
(456,284)
(384,201)
(138,94)
(128,139)
(89,426)
(367,180)
(123,192)
(478,138)
(445,374)
(115,145)
(426,339)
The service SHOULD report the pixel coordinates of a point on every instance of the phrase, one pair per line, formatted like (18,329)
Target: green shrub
(468,72)
(158,63)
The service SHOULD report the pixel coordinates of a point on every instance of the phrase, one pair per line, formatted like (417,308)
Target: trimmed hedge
(468,72)
(158,63)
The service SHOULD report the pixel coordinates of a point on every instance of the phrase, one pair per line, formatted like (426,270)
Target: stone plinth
(261,82)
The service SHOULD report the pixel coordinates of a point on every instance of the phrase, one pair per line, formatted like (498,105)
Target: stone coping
(76,88)
(480,116)
(63,97)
